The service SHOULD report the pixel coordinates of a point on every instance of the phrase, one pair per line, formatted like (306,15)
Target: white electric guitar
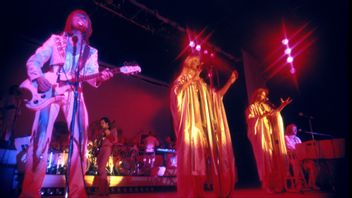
(40,100)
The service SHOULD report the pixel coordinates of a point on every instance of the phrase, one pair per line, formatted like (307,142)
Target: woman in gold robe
(266,134)
(204,148)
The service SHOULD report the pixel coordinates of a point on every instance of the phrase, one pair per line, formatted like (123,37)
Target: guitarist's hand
(43,84)
(106,75)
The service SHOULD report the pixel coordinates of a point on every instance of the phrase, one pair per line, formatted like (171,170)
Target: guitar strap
(83,58)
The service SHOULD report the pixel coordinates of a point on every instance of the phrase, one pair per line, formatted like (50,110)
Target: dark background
(320,88)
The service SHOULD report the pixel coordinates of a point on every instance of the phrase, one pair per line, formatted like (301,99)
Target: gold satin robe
(266,134)
(204,148)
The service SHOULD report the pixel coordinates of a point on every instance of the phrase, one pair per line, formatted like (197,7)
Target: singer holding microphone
(68,55)
(204,147)
(266,134)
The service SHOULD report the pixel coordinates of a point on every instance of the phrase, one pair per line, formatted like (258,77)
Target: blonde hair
(68,25)
(257,92)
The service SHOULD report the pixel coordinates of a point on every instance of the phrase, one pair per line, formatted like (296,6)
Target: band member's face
(194,65)
(294,130)
(104,124)
(80,22)
(263,96)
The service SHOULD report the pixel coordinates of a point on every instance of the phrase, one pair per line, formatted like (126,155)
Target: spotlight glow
(192,44)
(285,41)
(288,51)
(292,70)
(198,47)
(289,59)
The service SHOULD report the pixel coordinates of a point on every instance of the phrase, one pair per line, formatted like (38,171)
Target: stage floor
(238,193)
(158,187)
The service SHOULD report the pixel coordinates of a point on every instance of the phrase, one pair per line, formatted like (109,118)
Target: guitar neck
(97,75)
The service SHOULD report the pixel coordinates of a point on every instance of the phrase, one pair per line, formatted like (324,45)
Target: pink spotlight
(289,59)
(205,52)
(285,41)
(212,55)
(292,70)
(192,44)
(288,51)
(198,47)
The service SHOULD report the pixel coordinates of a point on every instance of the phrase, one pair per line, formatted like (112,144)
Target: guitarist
(67,54)
(107,138)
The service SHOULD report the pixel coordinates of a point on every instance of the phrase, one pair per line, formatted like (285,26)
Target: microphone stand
(319,134)
(310,127)
(74,112)
(318,153)
(316,146)
(210,74)
(217,158)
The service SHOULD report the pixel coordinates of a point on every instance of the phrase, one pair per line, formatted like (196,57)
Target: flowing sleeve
(39,58)
(278,130)
(180,102)
(252,118)
(176,97)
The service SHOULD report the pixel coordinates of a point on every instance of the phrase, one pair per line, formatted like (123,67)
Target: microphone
(305,116)
(82,26)
(74,41)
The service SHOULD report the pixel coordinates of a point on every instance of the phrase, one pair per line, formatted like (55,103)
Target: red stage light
(289,59)
(285,41)
(288,51)
(198,47)
(192,44)
(292,70)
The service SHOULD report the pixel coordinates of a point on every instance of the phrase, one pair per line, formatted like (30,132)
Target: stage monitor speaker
(6,180)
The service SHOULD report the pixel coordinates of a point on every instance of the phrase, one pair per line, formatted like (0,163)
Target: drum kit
(57,162)
(125,160)
(128,160)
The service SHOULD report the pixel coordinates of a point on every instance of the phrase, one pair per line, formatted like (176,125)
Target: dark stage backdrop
(135,105)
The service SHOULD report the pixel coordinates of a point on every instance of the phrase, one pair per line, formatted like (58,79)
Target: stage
(237,193)
(165,186)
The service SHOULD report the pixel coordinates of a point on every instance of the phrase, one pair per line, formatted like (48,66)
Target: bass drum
(128,167)
(120,151)
(122,167)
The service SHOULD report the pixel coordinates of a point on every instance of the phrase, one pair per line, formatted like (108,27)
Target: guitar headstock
(130,69)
